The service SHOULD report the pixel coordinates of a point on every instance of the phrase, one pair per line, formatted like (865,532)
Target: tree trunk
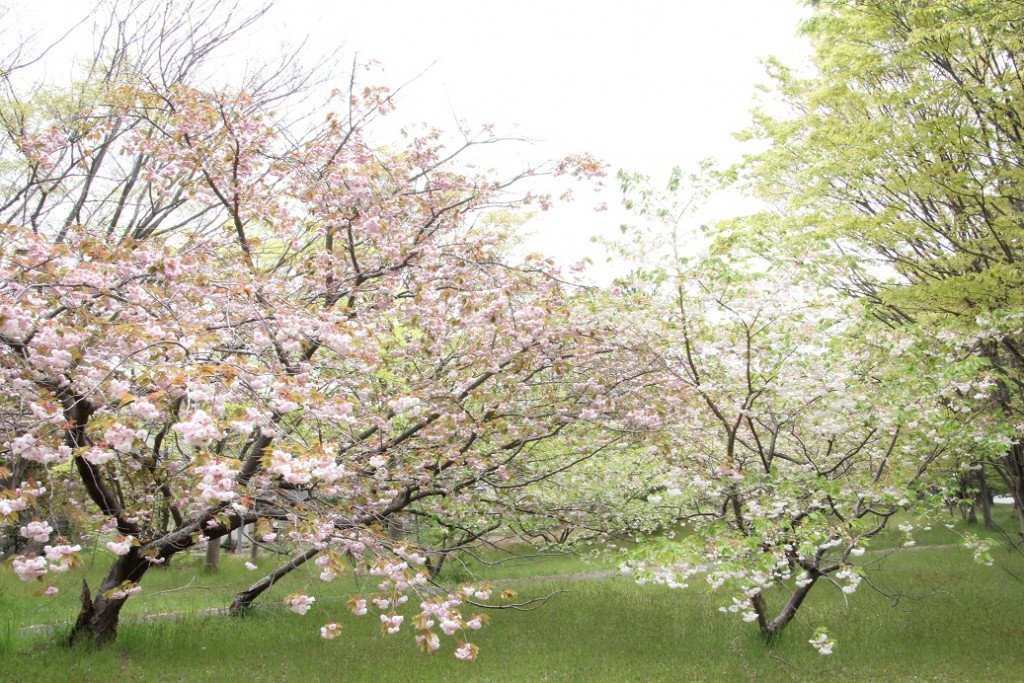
(212,562)
(770,629)
(435,562)
(983,499)
(1013,473)
(98,618)
(244,599)
(395,528)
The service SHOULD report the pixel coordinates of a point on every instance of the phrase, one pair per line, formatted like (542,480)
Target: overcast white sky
(645,85)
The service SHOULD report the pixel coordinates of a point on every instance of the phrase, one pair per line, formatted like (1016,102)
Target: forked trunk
(770,629)
(98,617)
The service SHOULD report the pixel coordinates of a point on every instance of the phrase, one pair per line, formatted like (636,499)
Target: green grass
(519,563)
(942,618)
(184,587)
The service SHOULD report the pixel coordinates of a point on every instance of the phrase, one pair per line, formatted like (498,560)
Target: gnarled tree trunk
(98,618)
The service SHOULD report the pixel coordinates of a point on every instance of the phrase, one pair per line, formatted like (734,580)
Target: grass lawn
(936,615)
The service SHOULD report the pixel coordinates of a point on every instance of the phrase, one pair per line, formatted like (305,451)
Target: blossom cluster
(217,480)
(56,558)
(299,602)
(821,642)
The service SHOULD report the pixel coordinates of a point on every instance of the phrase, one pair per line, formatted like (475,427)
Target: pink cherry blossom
(198,430)
(429,641)
(62,557)
(29,568)
(120,438)
(98,456)
(299,603)
(466,651)
(217,482)
(121,546)
(358,606)
(37,531)
(391,622)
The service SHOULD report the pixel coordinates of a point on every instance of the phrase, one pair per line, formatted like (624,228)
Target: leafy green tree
(897,171)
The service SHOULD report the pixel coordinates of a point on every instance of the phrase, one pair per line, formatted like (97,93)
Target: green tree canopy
(897,171)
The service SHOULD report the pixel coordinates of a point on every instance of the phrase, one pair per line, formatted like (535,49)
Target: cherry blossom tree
(66,145)
(793,430)
(211,319)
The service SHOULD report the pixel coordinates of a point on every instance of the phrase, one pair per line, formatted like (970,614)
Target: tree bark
(770,629)
(98,617)
(1013,473)
(212,561)
(780,622)
(983,499)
